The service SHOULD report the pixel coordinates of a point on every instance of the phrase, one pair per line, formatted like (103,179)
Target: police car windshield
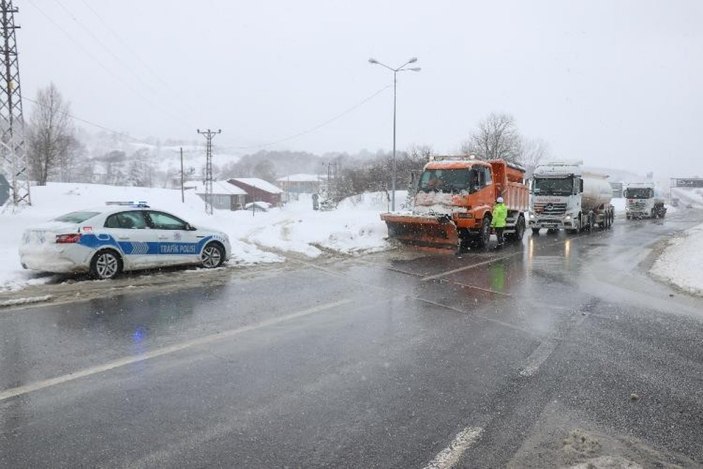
(76,217)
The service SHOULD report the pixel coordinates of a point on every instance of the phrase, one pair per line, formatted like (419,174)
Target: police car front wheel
(213,256)
(105,265)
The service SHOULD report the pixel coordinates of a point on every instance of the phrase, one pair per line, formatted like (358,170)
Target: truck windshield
(445,180)
(553,186)
(639,193)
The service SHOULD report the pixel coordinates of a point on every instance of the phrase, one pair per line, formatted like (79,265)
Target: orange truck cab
(453,203)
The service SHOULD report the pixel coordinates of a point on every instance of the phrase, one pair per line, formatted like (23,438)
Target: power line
(124,44)
(319,126)
(103,45)
(117,58)
(106,69)
(85,121)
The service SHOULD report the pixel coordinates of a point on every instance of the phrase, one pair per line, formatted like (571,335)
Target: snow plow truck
(453,202)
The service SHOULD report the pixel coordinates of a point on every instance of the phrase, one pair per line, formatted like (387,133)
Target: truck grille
(636,204)
(550,208)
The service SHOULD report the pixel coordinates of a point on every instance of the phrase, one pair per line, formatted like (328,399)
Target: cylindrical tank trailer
(596,191)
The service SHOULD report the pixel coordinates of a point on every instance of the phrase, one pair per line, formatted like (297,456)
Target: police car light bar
(132,203)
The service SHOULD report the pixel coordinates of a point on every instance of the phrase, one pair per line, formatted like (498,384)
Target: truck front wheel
(484,235)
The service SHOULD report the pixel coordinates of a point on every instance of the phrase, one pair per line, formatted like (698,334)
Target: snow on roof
(259,184)
(218,187)
(302,178)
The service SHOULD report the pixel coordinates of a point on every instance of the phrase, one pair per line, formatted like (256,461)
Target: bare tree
(50,134)
(497,137)
(533,152)
(67,165)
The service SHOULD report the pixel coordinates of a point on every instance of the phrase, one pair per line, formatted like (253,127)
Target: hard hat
(499,200)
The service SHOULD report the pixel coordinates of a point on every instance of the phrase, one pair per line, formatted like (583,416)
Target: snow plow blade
(436,232)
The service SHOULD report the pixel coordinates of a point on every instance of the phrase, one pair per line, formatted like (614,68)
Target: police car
(119,237)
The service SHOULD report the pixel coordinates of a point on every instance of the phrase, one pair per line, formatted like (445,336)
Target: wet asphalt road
(543,354)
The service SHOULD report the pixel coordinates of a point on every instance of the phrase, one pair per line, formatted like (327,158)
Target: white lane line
(536,358)
(473,315)
(25,301)
(20,390)
(472,266)
(450,455)
(487,290)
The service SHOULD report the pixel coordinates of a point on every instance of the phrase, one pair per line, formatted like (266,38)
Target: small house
(258,190)
(225,196)
(301,183)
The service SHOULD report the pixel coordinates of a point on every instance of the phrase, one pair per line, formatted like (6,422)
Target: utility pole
(183,197)
(14,158)
(209,135)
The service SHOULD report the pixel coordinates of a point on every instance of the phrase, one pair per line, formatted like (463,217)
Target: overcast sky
(614,83)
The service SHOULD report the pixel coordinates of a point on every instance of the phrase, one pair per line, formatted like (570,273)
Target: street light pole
(395,94)
(395,87)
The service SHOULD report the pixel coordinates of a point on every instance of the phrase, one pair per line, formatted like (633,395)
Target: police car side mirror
(190,227)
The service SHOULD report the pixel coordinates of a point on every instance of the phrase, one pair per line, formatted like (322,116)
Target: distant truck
(454,200)
(641,201)
(564,197)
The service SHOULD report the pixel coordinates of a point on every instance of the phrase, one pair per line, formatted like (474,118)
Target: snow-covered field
(262,237)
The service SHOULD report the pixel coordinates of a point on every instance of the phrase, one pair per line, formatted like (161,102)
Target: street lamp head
(373,61)
(413,60)
(414,69)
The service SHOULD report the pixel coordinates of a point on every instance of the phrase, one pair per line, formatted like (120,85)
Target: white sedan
(121,237)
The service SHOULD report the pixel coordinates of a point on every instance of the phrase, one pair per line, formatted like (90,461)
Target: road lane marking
(474,315)
(25,301)
(487,290)
(450,455)
(537,358)
(21,390)
(468,267)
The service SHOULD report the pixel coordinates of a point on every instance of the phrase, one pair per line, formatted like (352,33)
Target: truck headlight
(567,218)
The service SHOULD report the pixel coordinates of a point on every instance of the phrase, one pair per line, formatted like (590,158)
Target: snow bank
(257,237)
(681,263)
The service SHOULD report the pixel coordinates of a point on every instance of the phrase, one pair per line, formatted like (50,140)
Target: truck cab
(556,197)
(639,200)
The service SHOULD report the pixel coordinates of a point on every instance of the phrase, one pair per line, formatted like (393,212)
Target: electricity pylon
(209,135)
(14,157)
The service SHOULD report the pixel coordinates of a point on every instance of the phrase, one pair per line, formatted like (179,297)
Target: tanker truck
(453,202)
(564,197)
(641,201)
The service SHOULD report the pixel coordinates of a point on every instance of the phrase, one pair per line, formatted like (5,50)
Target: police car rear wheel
(213,256)
(105,265)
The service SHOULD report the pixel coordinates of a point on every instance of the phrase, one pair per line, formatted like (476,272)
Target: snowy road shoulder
(257,238)
(681,263)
